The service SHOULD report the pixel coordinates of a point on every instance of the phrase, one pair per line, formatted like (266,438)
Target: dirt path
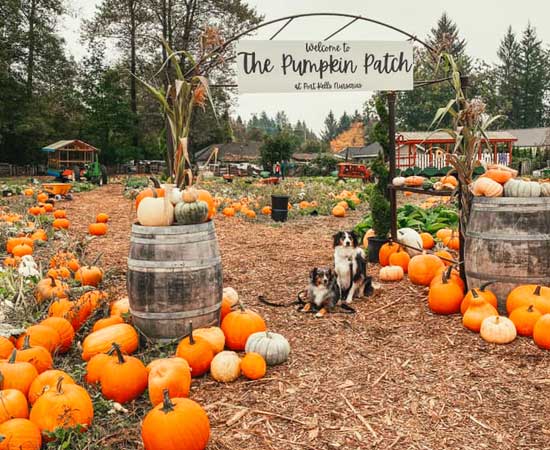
(391,376)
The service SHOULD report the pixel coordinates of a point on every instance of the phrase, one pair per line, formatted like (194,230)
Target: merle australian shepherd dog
(350,266)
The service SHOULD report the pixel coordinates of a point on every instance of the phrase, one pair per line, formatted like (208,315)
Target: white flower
(28,267)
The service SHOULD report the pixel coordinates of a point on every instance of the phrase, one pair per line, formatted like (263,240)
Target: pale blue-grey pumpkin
(272,346)
(191,213)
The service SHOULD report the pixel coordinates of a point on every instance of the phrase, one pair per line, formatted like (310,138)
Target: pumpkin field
(394,375)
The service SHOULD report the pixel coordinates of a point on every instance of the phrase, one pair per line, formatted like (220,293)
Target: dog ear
(337,238)
(313,274)
(354,238)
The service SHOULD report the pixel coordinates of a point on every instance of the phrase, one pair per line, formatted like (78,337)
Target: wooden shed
(64,155)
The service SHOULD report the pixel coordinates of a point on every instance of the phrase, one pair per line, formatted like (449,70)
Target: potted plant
(380,209)
(174,267)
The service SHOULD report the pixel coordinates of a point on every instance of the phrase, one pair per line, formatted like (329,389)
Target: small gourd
(398,181)
(189,195)
(225,367)
(190,213)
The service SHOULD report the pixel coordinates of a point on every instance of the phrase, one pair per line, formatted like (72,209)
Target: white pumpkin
(398,181)
(231,294)
(498,330)
(272,346)
(156,211)
(521,188)
(175,196)
(545,189)
(225,367)
(410,237)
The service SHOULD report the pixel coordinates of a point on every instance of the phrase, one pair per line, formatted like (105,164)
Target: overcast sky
(481,22)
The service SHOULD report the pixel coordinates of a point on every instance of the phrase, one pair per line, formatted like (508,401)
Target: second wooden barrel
(508,241)
(174,278)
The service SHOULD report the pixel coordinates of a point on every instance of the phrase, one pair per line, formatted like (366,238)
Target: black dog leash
(300,300)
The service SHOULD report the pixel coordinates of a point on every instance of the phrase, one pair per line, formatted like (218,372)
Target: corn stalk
(182,96)
(469,131)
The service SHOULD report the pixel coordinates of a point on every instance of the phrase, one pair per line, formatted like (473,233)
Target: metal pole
(391,156)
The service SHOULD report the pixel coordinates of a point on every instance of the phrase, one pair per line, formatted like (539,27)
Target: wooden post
(391,141)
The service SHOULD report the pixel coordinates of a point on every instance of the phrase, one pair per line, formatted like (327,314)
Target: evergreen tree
(445,37)
(508,72)
(344,123)
(357,117)
(331,128)
(532,80)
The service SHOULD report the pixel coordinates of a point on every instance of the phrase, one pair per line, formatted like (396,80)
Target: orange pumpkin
(253,366)
(102,340)
(445,297)
(443,233)
(60,214)
(339,211)
(148,193)
(21,434)
(427,241)
(98,229)
(46,381)
(452,242)
(486,187)
(451,274)
(205,196)
(22,250)
(197,352)
(173,374)
(107,322)
(228,211)
(478,310)
(40,335)
(42,197)
(239,325)
(414,180)
(102,218)
(449,179)
(524,319)
(541,332)
(498,175)
(386,251)
(266,210)
(64,329)
(423,268)
(59,224)
(400,258)
(444,254)
(529,294)
(489,296)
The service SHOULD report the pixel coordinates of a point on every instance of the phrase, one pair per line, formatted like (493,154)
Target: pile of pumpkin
(528,306)
(28,375)
(245,206)
(502,181)
(344,199)
(161,206)
(445,183)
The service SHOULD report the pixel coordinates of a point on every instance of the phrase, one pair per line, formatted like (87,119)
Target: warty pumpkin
(20,434)
(253,366)
(225,367)
(197,352)
(497,330)
(123,378)
(46,381)
(173,374)
(101,341)
(524,318)
(239,325)
(66,406)
(175,424)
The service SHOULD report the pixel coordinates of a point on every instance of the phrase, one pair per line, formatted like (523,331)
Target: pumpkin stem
(59,385)
(2,438)
(13,356)
(447,275)
(1,382)
(191,338)
(241,306)
(167,405)
(154,191)
(96,260)
(474,293)
(26,342)
(52,281)
(484,285)
(530,308)
(156,183)
(537,290)
(119,354)
(497,320)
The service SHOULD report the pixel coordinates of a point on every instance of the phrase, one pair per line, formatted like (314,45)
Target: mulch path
(391,376)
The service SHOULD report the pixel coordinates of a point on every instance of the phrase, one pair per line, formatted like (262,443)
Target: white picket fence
(424,160)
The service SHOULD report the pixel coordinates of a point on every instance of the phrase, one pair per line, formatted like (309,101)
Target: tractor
(75,160)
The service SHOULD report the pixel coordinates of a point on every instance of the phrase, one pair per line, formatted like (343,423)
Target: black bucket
(375,243)
(279,208)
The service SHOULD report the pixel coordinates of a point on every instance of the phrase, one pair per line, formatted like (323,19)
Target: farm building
(427,149)
(233,152)
(362,154)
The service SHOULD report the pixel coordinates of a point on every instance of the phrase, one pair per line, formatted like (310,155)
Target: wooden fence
(424,160)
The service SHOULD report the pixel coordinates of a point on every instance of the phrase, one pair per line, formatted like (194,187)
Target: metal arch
(354,18)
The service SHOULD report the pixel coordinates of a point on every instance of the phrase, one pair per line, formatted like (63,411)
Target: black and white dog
(350,265)
(323,292)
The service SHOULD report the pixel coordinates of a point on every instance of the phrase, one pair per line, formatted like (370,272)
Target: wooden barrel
(508,241)
(174,278)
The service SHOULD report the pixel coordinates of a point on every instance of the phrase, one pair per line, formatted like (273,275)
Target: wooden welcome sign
(307,66)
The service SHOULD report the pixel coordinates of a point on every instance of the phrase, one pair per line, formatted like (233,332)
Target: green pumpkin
(191,213)
(427,185)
